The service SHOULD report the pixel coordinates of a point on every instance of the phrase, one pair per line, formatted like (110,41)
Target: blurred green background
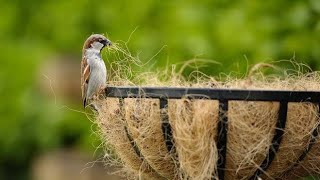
(41,44)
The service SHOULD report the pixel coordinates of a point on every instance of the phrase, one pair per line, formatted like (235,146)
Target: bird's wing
(85,74)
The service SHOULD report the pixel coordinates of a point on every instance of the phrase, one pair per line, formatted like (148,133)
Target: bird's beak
(106,42)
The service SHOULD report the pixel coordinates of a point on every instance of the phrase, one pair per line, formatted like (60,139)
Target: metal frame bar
(273,149)
(222,137)
(166,128)
(223,96)
(312,141)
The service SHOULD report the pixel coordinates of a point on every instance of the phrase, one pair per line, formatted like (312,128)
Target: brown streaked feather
(85,74)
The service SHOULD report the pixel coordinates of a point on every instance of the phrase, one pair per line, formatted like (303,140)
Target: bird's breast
(97,68)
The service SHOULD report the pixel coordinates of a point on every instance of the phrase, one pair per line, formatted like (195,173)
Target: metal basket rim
(212,93)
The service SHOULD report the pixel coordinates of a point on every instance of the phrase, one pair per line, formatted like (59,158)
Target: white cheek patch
(97,46)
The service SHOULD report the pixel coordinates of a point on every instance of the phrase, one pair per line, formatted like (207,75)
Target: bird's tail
(84,102)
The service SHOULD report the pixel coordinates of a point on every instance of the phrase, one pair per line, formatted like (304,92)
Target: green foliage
(234,33)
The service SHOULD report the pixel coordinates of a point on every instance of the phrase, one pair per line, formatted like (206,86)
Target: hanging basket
(207,133)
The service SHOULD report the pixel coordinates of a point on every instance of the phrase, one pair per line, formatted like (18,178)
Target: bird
(93,68)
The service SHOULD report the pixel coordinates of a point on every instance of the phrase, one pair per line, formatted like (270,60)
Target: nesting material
(144,123)
(194,125)
(310,165)
(132,127)
(134,130)
(250,132)
(296,137)
(114,129)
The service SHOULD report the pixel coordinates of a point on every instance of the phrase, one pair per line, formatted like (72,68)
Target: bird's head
(96,42)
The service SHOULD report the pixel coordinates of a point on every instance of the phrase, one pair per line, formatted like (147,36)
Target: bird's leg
(101,91)
(93,104)
(94,97)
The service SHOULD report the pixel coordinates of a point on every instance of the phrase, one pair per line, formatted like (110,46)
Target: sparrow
(93,68)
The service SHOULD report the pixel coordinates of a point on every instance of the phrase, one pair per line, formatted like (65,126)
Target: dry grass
(194,124)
